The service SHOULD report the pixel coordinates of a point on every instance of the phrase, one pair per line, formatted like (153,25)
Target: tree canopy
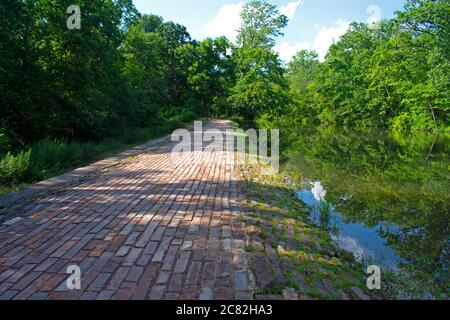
(394,74)
(124,70)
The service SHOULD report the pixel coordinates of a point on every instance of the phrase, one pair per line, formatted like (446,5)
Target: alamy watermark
(374,280)
(241,146)
(74,20)
(73,282)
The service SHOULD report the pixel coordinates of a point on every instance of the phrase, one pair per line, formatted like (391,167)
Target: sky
(313,24)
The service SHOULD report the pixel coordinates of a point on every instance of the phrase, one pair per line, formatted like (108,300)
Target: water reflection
(385,197)
(318,191)
(366,244)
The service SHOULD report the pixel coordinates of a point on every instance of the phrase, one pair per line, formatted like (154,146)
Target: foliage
(123,72)
(395,180)
(47,158)
(260,88)
(261,23)
(15,168)
(119,79)
(68,97)
(208,70)
(392,74)
(4,144)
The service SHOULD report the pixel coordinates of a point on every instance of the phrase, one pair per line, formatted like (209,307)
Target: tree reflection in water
(395,185)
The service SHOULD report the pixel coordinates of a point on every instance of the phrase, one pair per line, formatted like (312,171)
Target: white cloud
(375,14)
(319,191)
(329,35)
(290,9)
(352,245)
(226,22)
(287,51)
(323,41)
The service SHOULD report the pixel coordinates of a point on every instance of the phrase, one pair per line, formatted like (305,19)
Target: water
(383,197)
(365,243)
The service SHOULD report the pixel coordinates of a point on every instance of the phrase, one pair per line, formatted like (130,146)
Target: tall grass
(15,168)
(48,158)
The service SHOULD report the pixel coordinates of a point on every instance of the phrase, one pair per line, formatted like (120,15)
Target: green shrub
(173,118)
(4,144)
(47,158)
(15,169)
(401,122)
(187,116)
(168,112)
(45,152)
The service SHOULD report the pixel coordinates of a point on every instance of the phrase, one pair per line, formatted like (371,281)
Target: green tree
(66,83)
(174,36)
(261,24)
(393,74)
(209,72)
(301,69)
(144,52)
(260,84)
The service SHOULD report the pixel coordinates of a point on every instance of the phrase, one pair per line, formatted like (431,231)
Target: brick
(26,280)
(206,293)
(157,235)
(104,259)
(123,251)
(145,238)
(223,293)
(99,282)
(88,295)
(117,278)
(135,274)
(112,264)
(163,277)
(263,273)
(146,281)
(172,296)
(105,295)
(39,296)
(62,250)
(175,283)
(209,272)
(169,258)
(156,292)
(125,292)
(150,248)
(78,246)
(8,295)
(53,283)
(241,283)
(190,292)
(182,262)
(98,251)
(17,275)
(193,273)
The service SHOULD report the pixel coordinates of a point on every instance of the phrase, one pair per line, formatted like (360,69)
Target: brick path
(147,229)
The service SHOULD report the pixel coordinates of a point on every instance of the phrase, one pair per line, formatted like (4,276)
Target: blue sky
(314,24)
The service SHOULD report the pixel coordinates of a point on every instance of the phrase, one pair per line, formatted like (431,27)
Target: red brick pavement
(147,229)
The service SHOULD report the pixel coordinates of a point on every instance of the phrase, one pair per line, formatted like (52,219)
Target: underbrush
(47,158)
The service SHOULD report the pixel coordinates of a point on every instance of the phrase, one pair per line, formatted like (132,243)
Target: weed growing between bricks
(290,257)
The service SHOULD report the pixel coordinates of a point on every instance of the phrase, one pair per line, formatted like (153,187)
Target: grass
(315,265)
(48,158)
